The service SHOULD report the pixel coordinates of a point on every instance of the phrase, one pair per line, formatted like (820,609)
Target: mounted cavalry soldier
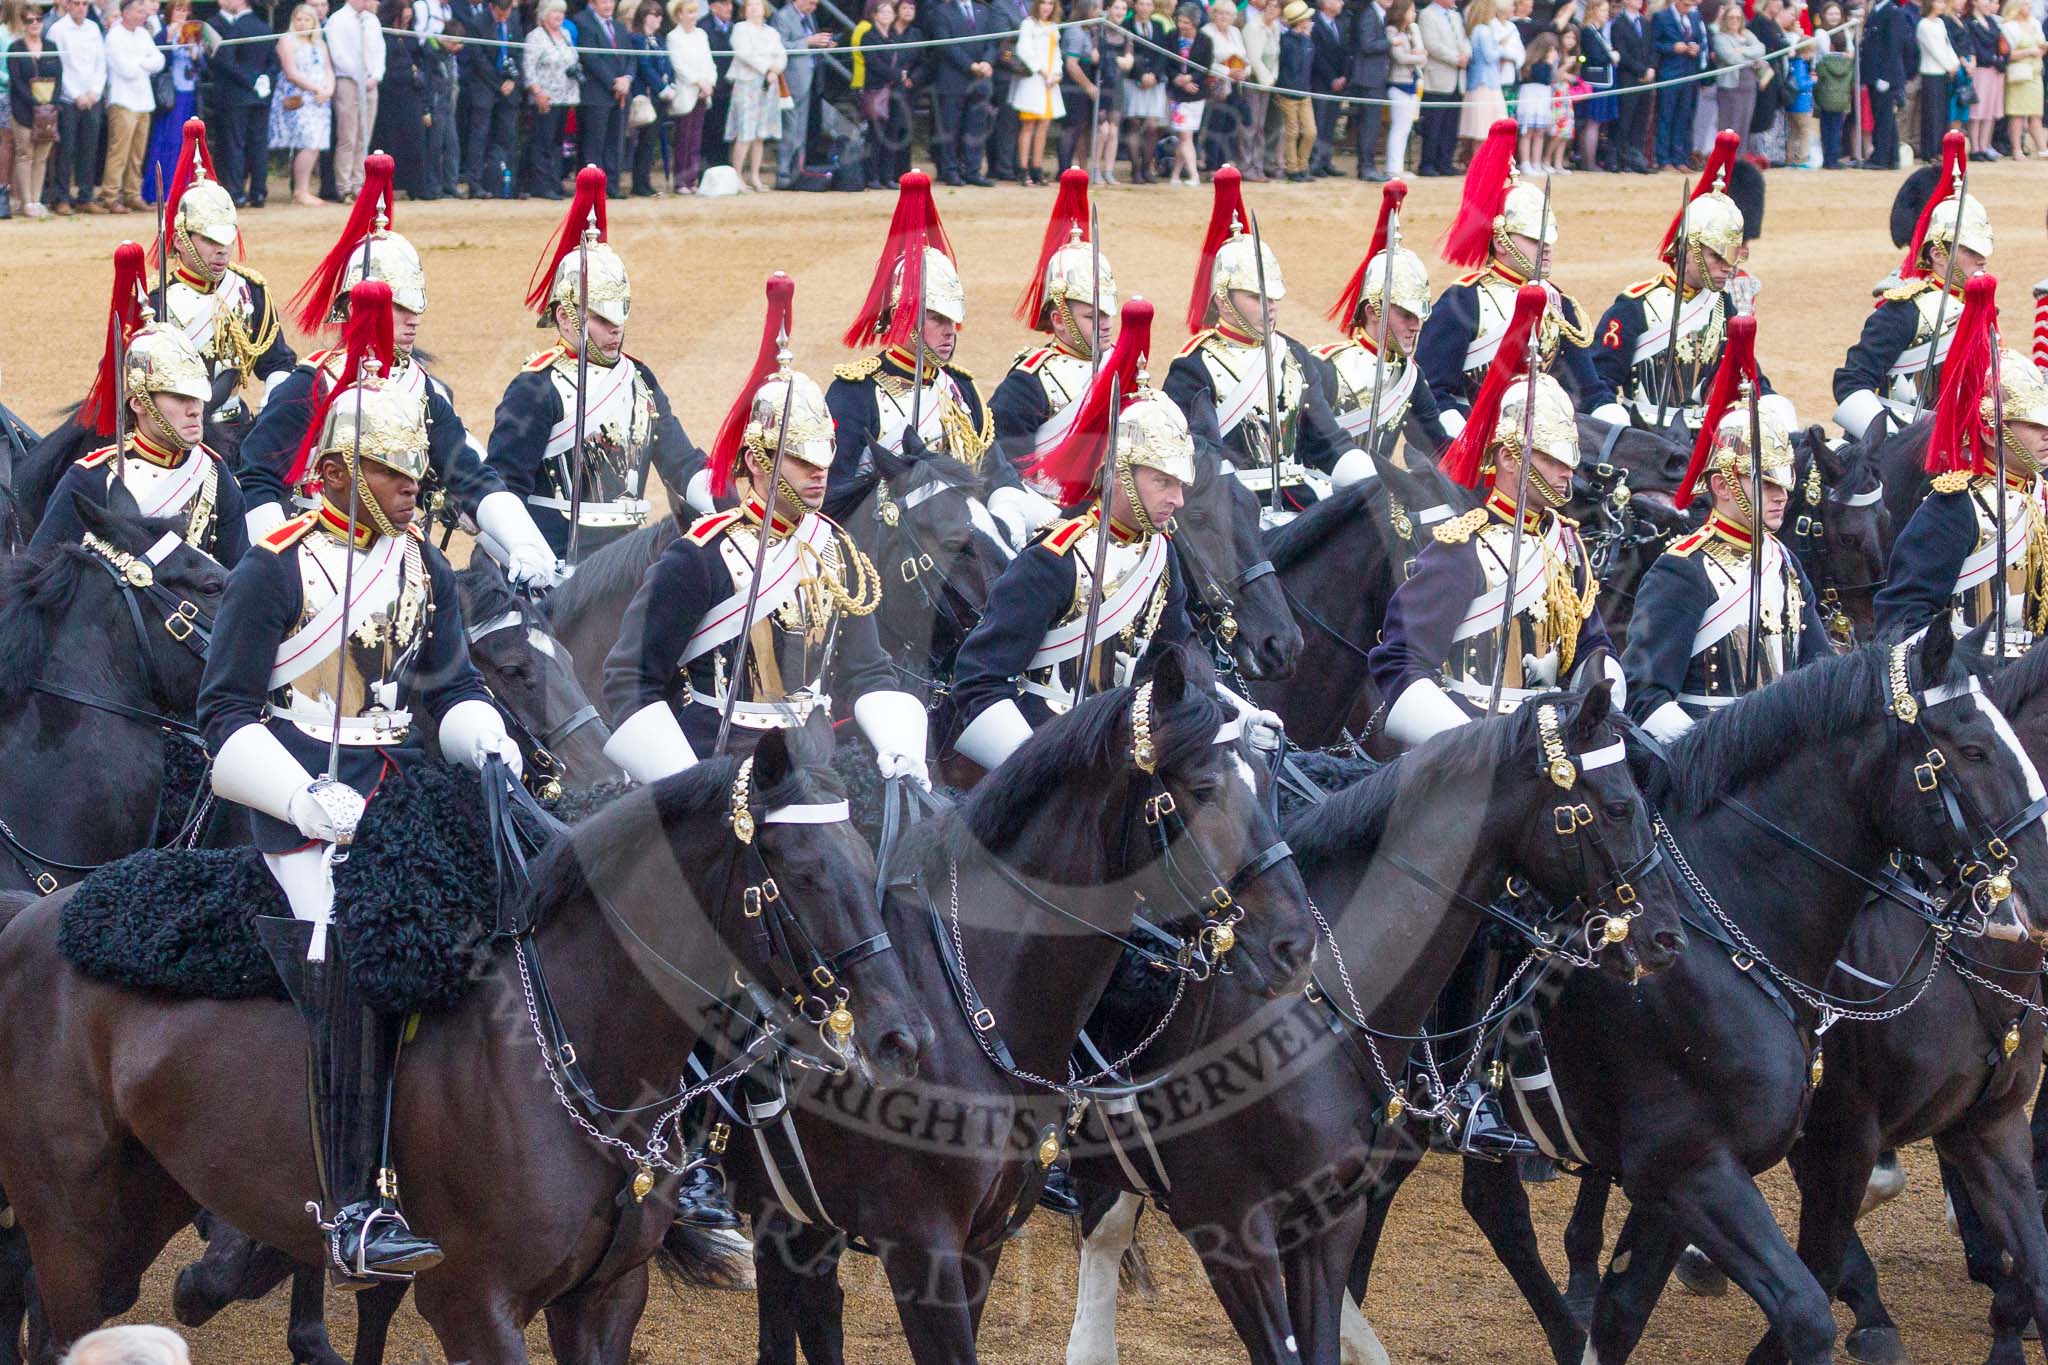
(1238,368)
(302,678)
(1894,369)
(1443,654)
(1504,230)
(1689,643)
(369,249)
(1024,662)
(1037,401)
(1656,368)
(1948,556)
(911,381)
(150,395)
(222,308)
(600,473)
(1388,297)
(731,636)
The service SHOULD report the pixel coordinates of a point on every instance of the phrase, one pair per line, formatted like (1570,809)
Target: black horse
(101,648)
(1260,1126)
(1700,1077)
(17,439)
(1014,908)
(1840,525)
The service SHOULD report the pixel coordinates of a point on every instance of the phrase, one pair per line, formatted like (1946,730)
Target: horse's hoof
(1876,1346)
(1699,1275)
(189,1303)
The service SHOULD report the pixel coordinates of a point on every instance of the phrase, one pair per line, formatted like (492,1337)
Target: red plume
(1954,149)
(314,303)
(1346,307)
(1076,462)
(589,199)
(193,156)
(726,449)
(1463,457)
(368,332)
(1720,166)
(124,316)
(1226,212)
(914,226)
(1469,239)
(1962,439)
(1069,213)
(1738,362)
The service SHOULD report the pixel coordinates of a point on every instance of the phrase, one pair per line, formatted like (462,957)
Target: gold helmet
(1152,433)
(1713,222)
(1960,220)
(1408,287)
(393,260)
(393,427)
(2025,390)
(810,421)
(1069,270)
(1237,267)
(1555,431)
(611,292)
(205,210)
(1522,215)
(944,294)
(161,360)
(1070,276)
(1731,449)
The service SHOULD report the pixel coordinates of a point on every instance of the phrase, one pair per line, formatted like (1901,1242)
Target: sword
(1507,602)
(1999,587)
(348,565)
(1379,364)
(1095,291)
(582,376)
(1101,564)
(1757,531)
(1948,284)
(163,247)
(917,380)
(739,667)
(120,399)
(1678,255)
(1266,344)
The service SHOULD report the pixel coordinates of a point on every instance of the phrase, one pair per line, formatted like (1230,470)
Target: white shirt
(430,17)
(1937,56)
(132,58)
(689,57)
(355,44)
(82,50)
(1223,45)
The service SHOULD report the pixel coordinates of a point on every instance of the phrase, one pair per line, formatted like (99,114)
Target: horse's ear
(1169,680)
(772,761)
(96,517)
(1937,649)
(893,464)
(1595,709)
(1834,464)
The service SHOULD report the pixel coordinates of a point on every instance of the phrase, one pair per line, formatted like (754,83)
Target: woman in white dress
(1035,95)
(755,116)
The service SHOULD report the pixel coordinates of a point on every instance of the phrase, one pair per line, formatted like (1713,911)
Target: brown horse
(125,1141)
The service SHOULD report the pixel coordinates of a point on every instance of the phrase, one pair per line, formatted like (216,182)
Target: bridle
(1213,607)
(544,769)
(1806,535)
(136,584)
(919,564)
(1204,895)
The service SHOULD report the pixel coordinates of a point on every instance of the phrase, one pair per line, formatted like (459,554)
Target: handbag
(783,101)
(164,90)
(640,112)
(293,102)
(42,128)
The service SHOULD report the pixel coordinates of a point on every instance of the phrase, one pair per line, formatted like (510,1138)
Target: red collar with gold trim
(336,524)
(1498,504)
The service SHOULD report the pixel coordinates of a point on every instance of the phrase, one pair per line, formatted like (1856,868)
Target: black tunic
(857,418)
(225,536)
(1448,332)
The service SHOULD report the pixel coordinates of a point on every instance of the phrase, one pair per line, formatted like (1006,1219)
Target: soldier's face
(1729,503)
(941,335)
(1161,493)
(205,255)
(807,479)
(405,327)
(1403,327)
(1716,271)
(1261,313)
(1969,264)
(606,338)
(186,416)
(2033,439)
(1090,326)
(1531,251)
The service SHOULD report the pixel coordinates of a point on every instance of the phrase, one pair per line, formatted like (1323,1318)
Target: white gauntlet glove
(1021,512)
(1540,670)
(262,518)
(896,724)
(515,542)
(473,731)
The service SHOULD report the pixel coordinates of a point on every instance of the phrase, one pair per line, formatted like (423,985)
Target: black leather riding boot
(1484,1131)
(701,1200)
(354,1064)
(1058,1195)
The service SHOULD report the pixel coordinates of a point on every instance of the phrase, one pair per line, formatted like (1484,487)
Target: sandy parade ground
(697,272)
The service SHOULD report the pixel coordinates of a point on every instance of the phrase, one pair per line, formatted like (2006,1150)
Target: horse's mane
(1819,702)
(947,470)
(614,570)
(36,476)
(39,588)
(1352,821)
(1314,528)
(688,804)
(486,594)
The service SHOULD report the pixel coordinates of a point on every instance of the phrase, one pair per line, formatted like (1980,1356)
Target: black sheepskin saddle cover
(413,902)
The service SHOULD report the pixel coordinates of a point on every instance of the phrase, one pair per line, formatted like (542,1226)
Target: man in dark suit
(1635,64)
(1371,62)
(717,26)
(607,77)
(1002,16)
(489,99)
(239,115)
(1680,37)
(962,73)
(1329,74)
(1890,55)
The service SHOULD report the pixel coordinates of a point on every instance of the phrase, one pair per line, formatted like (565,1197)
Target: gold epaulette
(1955,481)
(1195,341)
(955,367)
(1911,289)
(540,360)
(248,274)
(854,371)
(1686,546)
(96,458)
(1472,276)
(289,534)
(1064,537)
(1459,529)
(1641,287)
(705,529)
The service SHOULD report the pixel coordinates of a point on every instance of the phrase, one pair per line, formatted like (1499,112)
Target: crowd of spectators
(504,98)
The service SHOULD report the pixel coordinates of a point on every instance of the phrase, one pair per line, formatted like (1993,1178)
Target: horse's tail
(703,1259)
